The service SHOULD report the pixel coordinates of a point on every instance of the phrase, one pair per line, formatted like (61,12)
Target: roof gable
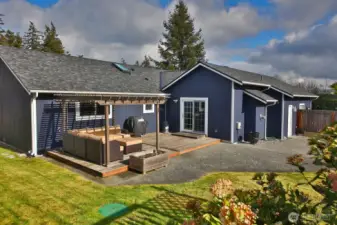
(244,77)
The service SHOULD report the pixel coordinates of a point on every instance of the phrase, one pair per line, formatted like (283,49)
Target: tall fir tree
(181,46)
(51,42)
(32,38)
(146,62)
(137,63)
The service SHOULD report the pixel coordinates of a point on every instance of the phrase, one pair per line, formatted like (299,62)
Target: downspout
(266,118)
(33,123)
(282,118)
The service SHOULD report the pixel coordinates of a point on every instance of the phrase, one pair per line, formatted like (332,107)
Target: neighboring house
(215,100)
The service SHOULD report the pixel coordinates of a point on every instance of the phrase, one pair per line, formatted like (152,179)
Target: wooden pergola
(108,100)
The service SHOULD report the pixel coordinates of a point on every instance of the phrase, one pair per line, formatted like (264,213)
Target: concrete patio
(263,157)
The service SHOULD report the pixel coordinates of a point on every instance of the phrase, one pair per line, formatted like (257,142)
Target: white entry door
(194,115)
(290,121)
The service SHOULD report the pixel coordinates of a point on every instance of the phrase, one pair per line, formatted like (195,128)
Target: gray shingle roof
(260,95)
(48,71)
(168,76)
(242,76)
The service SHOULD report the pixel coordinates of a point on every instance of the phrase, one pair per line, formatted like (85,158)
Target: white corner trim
(205,66)
(148,111)
(282,118)
(181,111)
(232,113)
(33,124)
(78,116)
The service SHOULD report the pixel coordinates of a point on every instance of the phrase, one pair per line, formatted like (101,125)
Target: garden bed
(148,162)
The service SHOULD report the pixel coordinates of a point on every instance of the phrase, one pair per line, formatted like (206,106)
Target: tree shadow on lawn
(169,204)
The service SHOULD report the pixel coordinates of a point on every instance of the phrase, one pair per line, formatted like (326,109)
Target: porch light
(175,100)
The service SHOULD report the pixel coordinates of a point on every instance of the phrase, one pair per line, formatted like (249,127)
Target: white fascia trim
(196,66)
(272,100)
(282,92)
(33,124)
(232,113)
(282,118)
(16,77)
(306,96)
(148,111)
(78,116)
(253,96)
(101,93)
(256,84)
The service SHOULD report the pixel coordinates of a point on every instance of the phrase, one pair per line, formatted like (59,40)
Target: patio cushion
(129,141)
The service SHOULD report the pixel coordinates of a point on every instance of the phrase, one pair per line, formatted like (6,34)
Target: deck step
(189,135)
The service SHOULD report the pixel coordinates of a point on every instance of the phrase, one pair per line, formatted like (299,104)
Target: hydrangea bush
(272,203)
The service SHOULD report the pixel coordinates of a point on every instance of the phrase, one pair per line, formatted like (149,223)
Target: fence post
(332,117)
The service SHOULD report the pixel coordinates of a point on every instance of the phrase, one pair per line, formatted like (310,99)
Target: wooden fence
(315,120)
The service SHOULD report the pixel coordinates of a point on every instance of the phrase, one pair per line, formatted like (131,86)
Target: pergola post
(157,127)
(107,147)
(64,116)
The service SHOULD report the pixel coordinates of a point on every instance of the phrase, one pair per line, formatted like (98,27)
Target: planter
(148,162)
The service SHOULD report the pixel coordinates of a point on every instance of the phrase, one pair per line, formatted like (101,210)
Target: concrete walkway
(263,157)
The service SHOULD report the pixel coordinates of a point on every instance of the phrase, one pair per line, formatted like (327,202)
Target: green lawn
(35,191)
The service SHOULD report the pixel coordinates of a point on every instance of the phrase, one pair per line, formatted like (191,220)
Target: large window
(90,111)
(148,108)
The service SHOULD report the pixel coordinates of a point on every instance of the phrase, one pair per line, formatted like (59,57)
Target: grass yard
(35,191)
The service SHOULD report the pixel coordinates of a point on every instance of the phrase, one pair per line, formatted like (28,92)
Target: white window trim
(148,111)
(182,99)
(91,117)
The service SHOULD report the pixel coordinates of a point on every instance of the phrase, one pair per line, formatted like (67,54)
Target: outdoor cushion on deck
(131,144)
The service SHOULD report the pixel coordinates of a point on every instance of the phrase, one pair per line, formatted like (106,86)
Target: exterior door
(194,115)
(290,121)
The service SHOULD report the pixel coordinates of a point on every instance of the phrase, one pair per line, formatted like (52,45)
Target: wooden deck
(175,145)
(179,145)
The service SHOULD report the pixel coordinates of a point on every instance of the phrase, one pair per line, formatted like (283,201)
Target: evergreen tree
(51,42)
(9,38)
(137,63)
(32,38)
(146,62)
(182,46)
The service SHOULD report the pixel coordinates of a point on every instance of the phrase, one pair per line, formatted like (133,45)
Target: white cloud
(110,30)
(310,53)
(299,14)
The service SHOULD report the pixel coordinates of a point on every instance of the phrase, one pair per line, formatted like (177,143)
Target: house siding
(15,116)
(202,83)
(274,115)
(49,121)
(252,111)
(294,102)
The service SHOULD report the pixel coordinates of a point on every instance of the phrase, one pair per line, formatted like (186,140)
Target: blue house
(217,101)
(228,103)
